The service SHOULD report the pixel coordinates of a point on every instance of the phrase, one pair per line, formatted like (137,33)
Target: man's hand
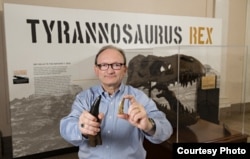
(88,123)
(137,115)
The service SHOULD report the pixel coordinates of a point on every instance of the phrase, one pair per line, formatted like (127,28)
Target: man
(122,134)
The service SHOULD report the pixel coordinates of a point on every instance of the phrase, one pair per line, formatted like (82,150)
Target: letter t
(33,29)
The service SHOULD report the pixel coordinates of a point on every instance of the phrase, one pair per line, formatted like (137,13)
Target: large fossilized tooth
(95,139)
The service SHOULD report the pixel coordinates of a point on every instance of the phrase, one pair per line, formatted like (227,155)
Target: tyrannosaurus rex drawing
(155,72)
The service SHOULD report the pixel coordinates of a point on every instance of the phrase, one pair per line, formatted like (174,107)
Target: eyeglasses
(114,66)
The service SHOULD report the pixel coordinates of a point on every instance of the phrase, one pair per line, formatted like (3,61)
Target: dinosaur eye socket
(169,66)
(162,69)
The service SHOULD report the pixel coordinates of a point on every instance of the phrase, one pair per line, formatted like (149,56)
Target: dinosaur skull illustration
(155,72)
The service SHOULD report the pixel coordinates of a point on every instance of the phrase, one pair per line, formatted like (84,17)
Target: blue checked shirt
(120,140)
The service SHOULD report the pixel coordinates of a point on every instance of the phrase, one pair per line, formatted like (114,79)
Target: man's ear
(96,70)
(126,69)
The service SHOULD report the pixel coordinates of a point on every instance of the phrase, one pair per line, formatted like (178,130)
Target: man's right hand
(88,123)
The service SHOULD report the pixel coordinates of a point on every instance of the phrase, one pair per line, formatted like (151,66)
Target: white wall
(235,17)
(248,44)
(203,8)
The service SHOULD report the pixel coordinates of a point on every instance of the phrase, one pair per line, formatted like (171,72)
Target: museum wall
(248,43)
(235,32)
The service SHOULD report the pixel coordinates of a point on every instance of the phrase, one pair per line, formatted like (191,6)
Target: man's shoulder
(90,90)
(132,89)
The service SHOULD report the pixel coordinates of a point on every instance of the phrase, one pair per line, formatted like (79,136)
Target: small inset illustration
(20,80)
(20,77)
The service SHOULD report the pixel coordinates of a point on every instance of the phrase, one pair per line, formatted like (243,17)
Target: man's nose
(110,69)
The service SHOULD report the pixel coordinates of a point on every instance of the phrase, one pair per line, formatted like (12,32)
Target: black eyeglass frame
(112,65)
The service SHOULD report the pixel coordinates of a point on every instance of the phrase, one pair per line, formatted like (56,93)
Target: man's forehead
(110,54)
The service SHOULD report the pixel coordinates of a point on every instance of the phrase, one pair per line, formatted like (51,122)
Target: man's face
(110,77)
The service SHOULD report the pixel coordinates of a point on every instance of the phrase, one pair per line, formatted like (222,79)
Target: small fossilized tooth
(121,106)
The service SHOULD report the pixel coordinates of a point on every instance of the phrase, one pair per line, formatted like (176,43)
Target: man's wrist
(153,127)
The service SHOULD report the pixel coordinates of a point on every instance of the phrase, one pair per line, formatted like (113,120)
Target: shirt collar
(101,90)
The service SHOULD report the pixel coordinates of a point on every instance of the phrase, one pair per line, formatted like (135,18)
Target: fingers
(123,116)
(101,116)
(136,113)
(130,98)
(88,124)
(134,107)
